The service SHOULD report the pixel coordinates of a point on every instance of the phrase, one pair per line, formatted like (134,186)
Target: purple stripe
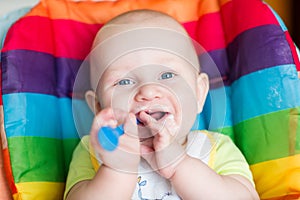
(30,71)
(215,64)
(258,48)
(36,72)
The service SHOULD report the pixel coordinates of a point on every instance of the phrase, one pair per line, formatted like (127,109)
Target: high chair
(256,102)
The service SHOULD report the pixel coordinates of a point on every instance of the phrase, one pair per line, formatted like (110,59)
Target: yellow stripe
(100,12)
(39,190)
(16,196)
(95,162)
(278,177)
(213,150)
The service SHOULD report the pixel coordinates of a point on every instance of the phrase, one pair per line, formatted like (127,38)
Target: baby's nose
(149,92)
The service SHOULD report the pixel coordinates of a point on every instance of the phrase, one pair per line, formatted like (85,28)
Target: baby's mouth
(157,115)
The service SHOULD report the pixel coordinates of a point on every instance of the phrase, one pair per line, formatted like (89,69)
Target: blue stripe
(217,110)
(29,114)
(265,91)
(67,121)
(83,117)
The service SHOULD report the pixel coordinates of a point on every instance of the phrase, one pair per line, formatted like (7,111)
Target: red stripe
(71,39)
(24,35)
(8,171)
(208,32)
(239,16)
(294,51)
(61,38)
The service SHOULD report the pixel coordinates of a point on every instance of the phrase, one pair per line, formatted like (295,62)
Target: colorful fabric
(212,148)
(248,42)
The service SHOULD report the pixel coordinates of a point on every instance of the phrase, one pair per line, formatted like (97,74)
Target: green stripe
(294,131)
(270,136)
(37,159)
(226,131)
(69,146)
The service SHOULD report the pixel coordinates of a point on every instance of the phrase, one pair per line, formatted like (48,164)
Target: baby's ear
(202,90)
(92,101)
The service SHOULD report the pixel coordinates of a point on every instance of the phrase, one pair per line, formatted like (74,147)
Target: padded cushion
(248,42)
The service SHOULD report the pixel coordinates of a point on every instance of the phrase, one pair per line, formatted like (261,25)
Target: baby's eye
(167,75)
(125,82)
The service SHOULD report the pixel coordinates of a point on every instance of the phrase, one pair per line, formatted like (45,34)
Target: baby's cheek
(119,100)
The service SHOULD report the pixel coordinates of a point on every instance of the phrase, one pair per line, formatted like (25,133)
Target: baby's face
(159,83)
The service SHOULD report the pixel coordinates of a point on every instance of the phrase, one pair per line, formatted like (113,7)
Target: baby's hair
(139,18)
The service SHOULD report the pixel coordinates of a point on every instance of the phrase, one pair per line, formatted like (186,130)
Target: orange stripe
(98,11)
(287,197)
(222,2)
(277,178)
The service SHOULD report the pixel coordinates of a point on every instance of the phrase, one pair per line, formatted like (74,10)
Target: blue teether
(109,137)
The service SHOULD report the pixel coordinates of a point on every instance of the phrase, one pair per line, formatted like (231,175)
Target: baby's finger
(171,126)
(130,125)
(162,128)
(103,118)
(106,117)
(150,123)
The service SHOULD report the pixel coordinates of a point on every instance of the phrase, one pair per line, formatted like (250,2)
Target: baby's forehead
(151,58)
(122,37)
(137,44)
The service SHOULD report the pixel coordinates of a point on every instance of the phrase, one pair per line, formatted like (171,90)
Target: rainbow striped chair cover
(249,43)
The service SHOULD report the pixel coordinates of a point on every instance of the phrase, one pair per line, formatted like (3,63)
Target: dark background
(289,11)
(296,21)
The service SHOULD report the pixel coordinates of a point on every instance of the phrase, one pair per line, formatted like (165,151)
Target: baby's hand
(126,156)
(165,153)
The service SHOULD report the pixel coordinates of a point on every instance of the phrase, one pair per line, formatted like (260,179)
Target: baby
(144,68)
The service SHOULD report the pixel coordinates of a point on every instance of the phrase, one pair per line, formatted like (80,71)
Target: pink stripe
(239,16)
(207,31)
(293,50)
